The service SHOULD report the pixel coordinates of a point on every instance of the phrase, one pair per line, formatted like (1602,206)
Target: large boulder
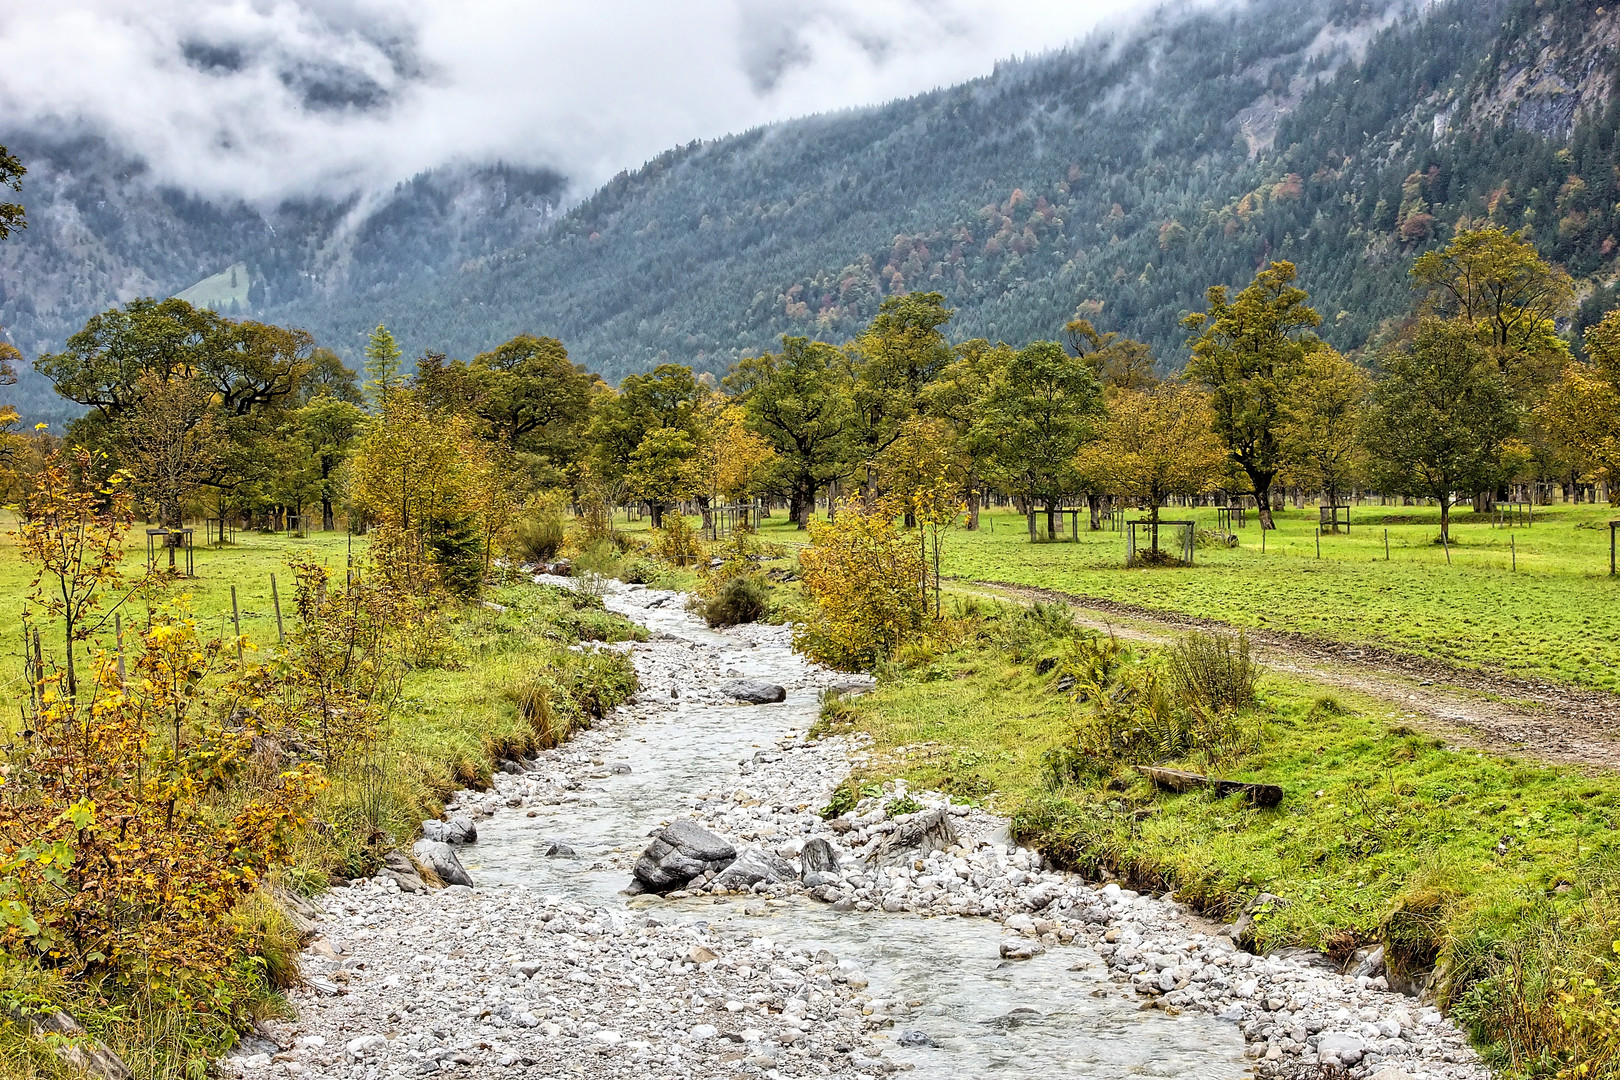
(456,829)
(818,857)
(754,693)
(440,857)
(680,852)
(752,867)
(404,873)
(925,832)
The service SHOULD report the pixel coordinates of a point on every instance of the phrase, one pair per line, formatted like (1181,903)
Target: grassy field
(247,564)
(1557,616)
(1384,834)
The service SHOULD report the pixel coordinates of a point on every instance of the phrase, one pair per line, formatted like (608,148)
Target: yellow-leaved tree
(1583,409)
(1321,431)
(736,464)
(1156,443)
(426,485)
(862,575)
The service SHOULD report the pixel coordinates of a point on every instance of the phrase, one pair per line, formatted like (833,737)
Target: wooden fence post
(275,598)
(236,620)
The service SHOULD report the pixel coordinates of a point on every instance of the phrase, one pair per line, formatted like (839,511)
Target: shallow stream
(1054,1016)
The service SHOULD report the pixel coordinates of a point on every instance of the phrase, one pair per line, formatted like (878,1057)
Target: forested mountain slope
(1120,177)
(1125,175)
(100,233)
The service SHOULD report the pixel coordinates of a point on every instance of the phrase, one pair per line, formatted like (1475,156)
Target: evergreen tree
(382,365)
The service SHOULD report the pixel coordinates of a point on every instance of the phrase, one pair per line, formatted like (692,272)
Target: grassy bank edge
(1454,860)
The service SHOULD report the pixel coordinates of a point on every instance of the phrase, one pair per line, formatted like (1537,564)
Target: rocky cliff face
(1554,66)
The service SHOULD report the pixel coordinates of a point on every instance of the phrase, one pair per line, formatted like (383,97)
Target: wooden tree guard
(1331,520)
(1262,795)
(1513,515)
(1187,534)
(1229,518)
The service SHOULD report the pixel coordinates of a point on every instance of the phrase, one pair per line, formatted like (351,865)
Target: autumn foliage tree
(1583,408)
(421,479)
(1246,352)
(1322,424)
(1155,444)
(862,576)
(71,528)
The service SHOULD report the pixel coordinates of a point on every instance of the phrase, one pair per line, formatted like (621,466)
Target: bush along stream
(699,886)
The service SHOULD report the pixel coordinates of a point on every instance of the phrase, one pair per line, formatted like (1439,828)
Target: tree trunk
(707,511)
(806,496)
(973,508)
(1029,516)
(1153,518)
(1051,519)
(1445,519)
(72,675)
(328,521)
(656,510)
(1262,501)
(1094,504)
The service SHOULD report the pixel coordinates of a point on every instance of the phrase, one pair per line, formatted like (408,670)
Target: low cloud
(263,99)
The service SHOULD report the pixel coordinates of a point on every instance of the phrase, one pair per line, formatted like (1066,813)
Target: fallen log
(1261,795)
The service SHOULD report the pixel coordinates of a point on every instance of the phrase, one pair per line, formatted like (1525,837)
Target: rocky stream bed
(871,944)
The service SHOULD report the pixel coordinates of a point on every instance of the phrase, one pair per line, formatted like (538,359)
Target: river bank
(547,969)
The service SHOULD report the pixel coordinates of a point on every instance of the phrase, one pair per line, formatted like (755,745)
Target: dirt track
(1509,714)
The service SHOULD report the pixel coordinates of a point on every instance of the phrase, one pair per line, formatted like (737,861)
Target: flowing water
(1054,1016)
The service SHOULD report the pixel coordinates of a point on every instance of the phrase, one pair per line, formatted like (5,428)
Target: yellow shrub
(867,582)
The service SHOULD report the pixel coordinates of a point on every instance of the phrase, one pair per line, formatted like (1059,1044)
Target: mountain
(99,233)
(1118,177)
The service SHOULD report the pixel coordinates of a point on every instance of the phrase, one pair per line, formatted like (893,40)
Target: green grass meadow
(1557,616)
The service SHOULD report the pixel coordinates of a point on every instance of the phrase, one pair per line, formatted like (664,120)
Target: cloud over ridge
(267,99)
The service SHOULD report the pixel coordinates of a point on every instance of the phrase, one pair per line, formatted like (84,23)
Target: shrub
(677,542)
(847,795)
(1213,673)
(736,556)
(457,555)
(738,600)
(901,805)
(542,531)
(865,581)
(595,565)
(127,832)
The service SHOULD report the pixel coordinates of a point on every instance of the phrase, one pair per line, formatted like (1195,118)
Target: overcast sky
(262,98)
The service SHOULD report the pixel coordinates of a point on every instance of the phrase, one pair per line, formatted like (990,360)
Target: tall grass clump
(1213,673)
(1546,1000)
(566,691)
(542,530)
